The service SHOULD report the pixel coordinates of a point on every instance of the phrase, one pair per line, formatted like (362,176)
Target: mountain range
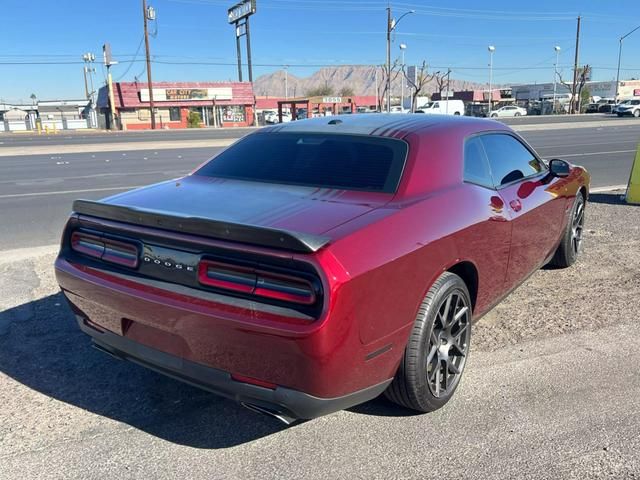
(360,79)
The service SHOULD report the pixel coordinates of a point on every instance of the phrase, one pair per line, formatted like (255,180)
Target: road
(36,191)
(551,391)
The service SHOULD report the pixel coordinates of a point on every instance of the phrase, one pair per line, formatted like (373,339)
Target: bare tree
(584,73)
(417,84)
(396,70)
(441,82)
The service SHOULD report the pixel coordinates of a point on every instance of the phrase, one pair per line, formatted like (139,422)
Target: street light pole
(391,26)
(619,57)
(145,16)
(403,47)
(491,50)
(286,81)
(555,77)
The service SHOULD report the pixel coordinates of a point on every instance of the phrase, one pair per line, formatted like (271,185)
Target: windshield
(349,162)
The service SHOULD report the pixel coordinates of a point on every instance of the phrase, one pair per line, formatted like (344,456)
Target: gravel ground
(600,289)
(525,408)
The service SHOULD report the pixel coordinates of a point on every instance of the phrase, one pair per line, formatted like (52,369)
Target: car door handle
(515,205)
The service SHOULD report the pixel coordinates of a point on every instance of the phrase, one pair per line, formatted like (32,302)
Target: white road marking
(595,153)
(607,188)
(64,192)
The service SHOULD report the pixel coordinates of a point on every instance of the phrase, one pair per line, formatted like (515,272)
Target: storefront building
(225,104)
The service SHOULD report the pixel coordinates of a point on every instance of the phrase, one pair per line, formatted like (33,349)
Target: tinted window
(509,159)
(476,167)
(350,162)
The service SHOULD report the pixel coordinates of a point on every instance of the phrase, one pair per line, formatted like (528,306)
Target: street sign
(241,10)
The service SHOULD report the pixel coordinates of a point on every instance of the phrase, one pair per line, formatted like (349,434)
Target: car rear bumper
(284,403)
(310,367)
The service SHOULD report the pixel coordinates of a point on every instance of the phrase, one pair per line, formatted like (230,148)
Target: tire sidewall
(423,392)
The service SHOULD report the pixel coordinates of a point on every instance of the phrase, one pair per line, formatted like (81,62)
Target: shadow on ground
(43,348)
(607,198)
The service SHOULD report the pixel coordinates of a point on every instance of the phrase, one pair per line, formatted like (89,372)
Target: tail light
(106,249)
(261,283)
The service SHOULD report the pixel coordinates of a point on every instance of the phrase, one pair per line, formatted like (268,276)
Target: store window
(174,114)
(233,113)
(144,115)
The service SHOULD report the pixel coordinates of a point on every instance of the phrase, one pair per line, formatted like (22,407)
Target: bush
(194,120)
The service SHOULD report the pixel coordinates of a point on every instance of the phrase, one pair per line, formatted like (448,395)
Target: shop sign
(186,94)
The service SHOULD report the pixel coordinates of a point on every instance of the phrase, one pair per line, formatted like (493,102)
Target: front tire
(494,115)
(571,244)
(636,113)
(437,350)
(517,114)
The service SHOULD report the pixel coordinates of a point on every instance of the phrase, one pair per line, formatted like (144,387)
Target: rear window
(349,162)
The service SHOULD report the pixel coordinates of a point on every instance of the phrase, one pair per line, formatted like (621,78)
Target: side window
(436,105)
(476,166)
(509,159)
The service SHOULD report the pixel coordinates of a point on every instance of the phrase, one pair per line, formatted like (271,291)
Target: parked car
(509,111)
(270,116)
(397,109)
(630,107)
(313,266)
(592,108)
(443,107)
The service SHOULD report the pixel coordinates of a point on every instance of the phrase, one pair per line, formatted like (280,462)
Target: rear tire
(493,115)
(437,350)
(571,244)
(457,113)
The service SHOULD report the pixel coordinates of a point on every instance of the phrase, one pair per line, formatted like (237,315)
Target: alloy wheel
(577,226)
(448,344)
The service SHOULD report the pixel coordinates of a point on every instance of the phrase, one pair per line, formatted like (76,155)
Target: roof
(272,102)
(127,94)
(382,124)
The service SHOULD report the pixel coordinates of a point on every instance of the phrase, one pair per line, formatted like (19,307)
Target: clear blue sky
(307,33)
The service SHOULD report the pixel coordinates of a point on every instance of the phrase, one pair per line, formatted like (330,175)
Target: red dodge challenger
(314,265)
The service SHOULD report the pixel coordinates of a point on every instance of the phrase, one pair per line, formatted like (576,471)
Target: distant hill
(361,79)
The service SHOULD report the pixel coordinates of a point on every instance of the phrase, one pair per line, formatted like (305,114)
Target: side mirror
(559,168)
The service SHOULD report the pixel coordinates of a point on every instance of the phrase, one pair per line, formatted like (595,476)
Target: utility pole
(555,77)
(108,62)
(575,69)
(286,81)
(389,28)
(145,15)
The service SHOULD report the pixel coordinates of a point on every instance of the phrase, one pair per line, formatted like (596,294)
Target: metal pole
(377,91)
(575,69)
(239,53)
(248,35)
(618,74)
(86,86)
(402,85)
(388,59)
(286,82)
(555,76)
(149,81)
(448,90)
(490,80)
(93,90)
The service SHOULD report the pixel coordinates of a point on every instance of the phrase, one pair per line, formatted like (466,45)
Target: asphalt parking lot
(551,391)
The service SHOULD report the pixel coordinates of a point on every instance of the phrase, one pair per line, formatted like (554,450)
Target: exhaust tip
(284,418)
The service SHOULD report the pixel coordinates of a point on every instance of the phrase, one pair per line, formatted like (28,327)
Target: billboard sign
(412,74)
(241,10)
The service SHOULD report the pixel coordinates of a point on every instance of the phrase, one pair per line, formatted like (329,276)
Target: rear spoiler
(262,236)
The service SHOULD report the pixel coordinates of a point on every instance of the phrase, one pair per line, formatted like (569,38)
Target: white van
(443,107)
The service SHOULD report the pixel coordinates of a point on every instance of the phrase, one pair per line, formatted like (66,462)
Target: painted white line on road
(595,153)
(586,144)
(607,189)
(65,192)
